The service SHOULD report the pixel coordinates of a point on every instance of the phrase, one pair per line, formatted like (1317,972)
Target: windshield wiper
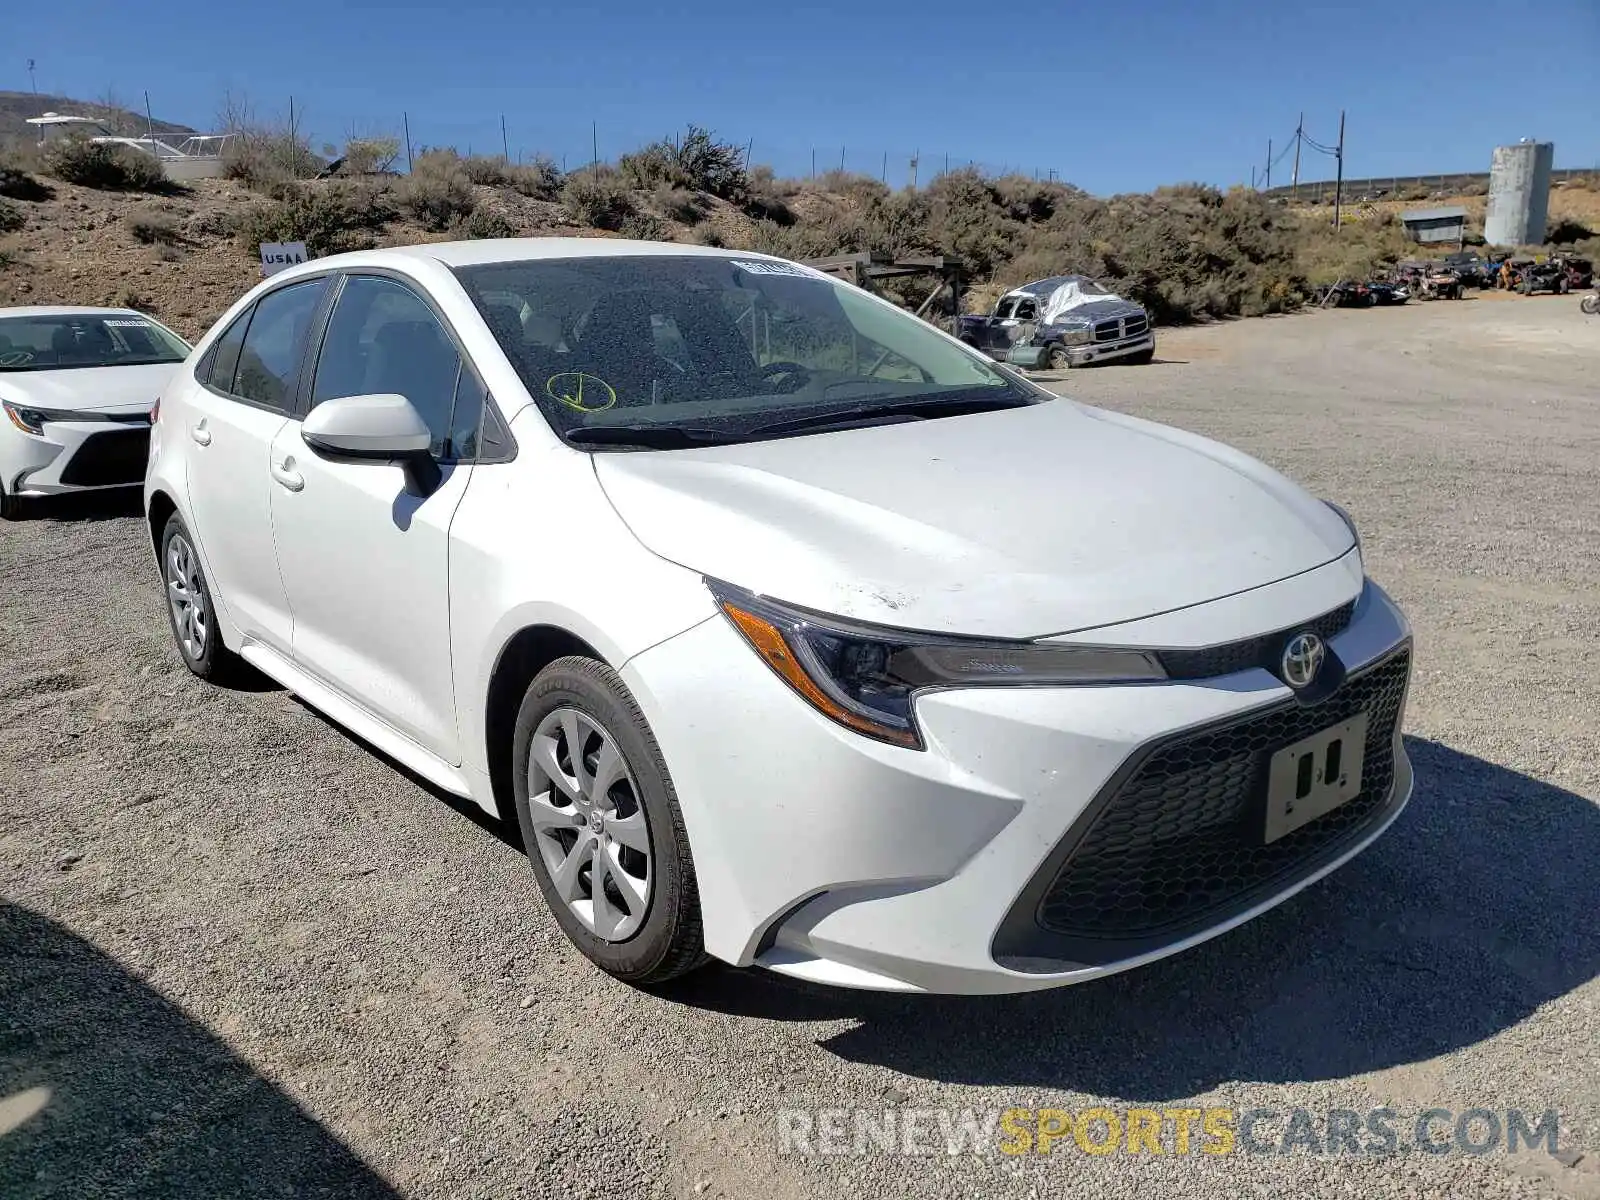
(650,437)
(927,406)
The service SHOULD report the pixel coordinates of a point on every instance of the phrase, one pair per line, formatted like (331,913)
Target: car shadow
(505,831)
(1476,908)
(113,504)
(108,1088)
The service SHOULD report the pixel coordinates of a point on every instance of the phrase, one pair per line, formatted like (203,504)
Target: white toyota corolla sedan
(77,386)
(793,632)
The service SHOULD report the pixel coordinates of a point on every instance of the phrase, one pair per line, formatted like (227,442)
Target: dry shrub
(696,161)
(371,155)
(16,183)
(679,204)
(11,218)
(438,192)
(151,229)
(538,180)
(597,197)
(328,219)
(104,165)
(483,223)
(646,227)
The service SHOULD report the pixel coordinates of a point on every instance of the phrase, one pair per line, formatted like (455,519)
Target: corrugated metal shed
(1435,224)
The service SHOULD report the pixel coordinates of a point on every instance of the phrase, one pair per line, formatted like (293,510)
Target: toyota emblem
(1302,659)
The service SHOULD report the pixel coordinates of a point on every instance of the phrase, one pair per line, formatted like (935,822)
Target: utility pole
(1294,180)
(33,83)
(405,123)
(813,162)
(915,156)
(505,146)
(1269,164)
(594,142)
(149,123)
(841,160)
(1338,186)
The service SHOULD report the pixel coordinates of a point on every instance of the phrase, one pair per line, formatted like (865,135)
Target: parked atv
(1547,276)
(1580,272)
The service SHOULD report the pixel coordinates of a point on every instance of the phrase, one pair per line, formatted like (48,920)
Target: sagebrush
(103,165)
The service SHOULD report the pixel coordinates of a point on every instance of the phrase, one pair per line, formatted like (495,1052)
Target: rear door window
(269,361)
(224,356)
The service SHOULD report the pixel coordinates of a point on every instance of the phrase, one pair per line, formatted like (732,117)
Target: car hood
(88,389)
(1052,518)
(1099,310)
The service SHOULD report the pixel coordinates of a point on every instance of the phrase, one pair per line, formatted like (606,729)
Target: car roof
(65,310)
(502,250)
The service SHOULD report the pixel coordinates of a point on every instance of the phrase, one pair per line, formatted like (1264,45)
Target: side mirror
(379,428)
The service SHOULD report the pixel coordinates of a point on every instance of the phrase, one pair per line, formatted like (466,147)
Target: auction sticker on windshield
(771,268)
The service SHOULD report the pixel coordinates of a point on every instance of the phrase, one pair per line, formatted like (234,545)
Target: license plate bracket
(1314,776)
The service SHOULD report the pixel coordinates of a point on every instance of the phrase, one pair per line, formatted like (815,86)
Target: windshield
(61,343)
(725,346)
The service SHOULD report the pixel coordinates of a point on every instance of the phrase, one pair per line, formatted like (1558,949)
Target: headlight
(29,420)
(1076,336)
(865,677)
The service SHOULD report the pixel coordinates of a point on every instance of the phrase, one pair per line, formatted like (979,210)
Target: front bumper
(1078,356)
(837,859)
(74,456)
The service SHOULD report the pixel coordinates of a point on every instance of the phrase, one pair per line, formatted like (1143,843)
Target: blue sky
(1113,97)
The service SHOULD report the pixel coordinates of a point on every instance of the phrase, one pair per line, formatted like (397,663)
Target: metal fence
(1390,187)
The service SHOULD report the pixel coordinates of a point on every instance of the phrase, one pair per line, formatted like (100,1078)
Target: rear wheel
(601,824)
(190,611)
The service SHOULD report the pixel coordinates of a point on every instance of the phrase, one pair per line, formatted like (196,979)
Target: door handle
(200,433)
(286,475)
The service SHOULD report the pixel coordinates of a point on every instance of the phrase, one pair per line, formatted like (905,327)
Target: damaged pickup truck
(1063,321)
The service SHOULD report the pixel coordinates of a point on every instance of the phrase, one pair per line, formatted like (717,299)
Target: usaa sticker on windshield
(771,268)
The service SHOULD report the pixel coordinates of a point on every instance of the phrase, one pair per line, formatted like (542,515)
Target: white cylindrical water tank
(1519,194)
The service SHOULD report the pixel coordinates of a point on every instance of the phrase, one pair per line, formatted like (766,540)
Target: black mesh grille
(1264,651)
(117,456)
(1181,838)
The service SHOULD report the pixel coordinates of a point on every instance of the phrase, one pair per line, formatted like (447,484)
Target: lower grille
(104,459)
(1176,844)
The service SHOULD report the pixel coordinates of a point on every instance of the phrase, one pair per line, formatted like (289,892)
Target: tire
(195,630)
(1056,358)
(1590,304)
(11,507)
(639,940)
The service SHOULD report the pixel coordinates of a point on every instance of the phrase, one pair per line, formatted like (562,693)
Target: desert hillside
(86,224)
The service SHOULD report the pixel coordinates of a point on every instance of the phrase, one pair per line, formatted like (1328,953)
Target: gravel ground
(240,954)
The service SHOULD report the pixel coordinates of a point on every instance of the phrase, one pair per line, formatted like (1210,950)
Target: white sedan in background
(77,386)
(790,631)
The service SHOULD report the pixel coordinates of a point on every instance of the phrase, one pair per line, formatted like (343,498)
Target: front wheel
(1590,304)
(10,507)
(1056,358)
(601,824)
